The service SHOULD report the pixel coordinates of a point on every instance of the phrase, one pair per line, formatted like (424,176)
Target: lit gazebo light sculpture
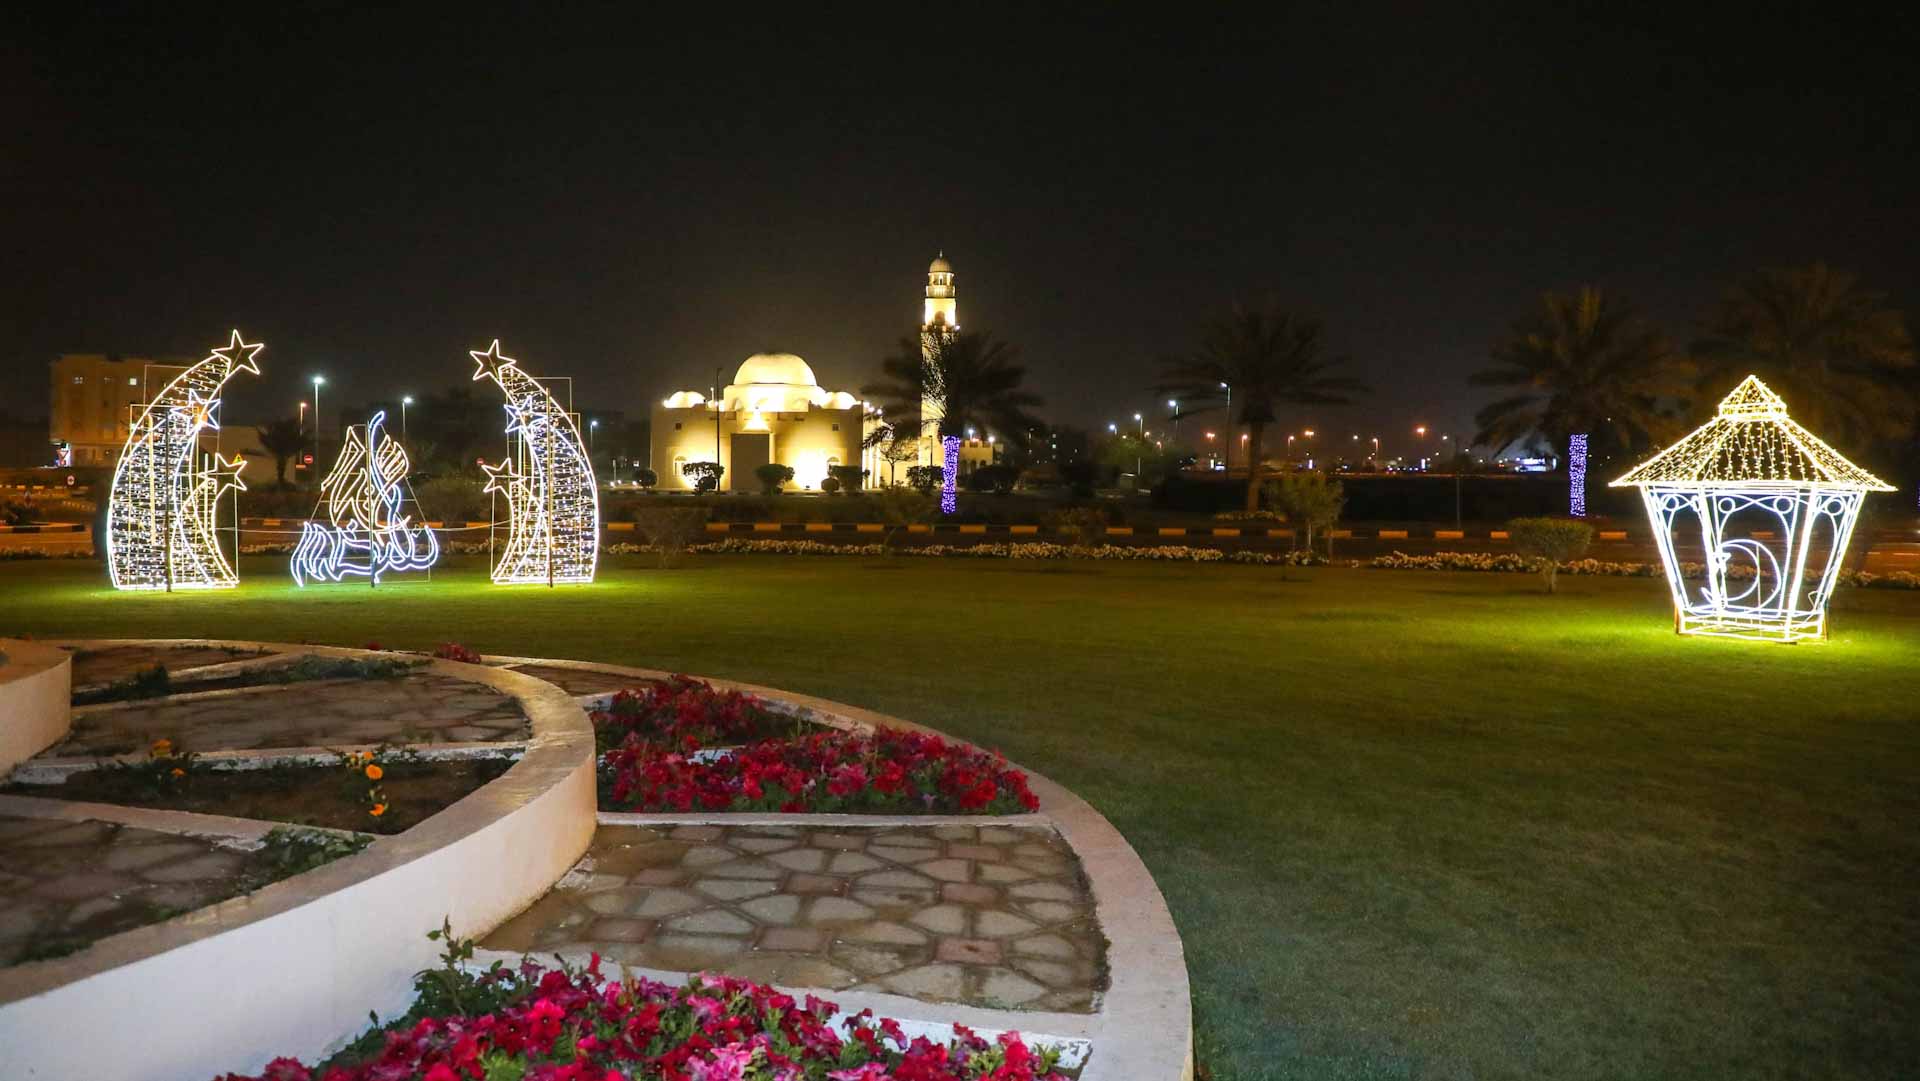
(1773,507)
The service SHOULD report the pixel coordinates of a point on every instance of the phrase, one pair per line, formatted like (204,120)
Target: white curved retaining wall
(294,968)
(36,694)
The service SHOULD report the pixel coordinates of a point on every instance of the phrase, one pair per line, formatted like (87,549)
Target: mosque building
(776,411)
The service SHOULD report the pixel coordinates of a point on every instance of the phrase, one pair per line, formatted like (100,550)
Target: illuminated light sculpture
(368,534)
(1577,475)
(949,469)
(161,510)
(553,502)
(1751,463)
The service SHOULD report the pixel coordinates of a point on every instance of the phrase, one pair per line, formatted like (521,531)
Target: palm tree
(973,381)
(284,441)
(1264,356)
(1583,363)
(1832,348)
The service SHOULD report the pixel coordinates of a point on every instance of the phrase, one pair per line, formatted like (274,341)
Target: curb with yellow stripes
(978,528)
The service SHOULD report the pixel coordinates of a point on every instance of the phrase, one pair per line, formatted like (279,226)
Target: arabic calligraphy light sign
(367,531)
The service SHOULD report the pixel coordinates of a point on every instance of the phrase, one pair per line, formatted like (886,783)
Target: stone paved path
(415,708)
(119,662)
(576,681)
(983,915)
(65,883)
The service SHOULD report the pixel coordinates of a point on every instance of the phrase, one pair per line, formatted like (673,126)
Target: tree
(772,475)
(1265,356)
(283,441)
(974,379)
(1310,499)
(1829,346)
(1584,363)
(899,506)
(1549,542)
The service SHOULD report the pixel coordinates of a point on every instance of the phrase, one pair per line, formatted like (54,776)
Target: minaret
(941,318)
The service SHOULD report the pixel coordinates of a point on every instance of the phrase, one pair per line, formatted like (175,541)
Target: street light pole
(317,380)
(405,401)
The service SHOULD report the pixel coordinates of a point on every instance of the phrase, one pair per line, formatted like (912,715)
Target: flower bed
(1508,562)
(687,714)
(887,771)
(1163,553)
(534,1024)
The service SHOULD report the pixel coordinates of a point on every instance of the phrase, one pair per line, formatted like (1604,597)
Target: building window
(676,426)
(79,378)
(133,380)
(836,427)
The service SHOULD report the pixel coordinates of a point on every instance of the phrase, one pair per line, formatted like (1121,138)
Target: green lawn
(1410,824)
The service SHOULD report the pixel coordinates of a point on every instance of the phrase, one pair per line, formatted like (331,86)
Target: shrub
(852,478)
(646,478)
(1549,542)
(705,475)
(1312,500)
(669,530)
(772,475)
(924,478)
(1079,477)
(685,714)
(999,478)
(900,506)
(830,485)
(1085,525)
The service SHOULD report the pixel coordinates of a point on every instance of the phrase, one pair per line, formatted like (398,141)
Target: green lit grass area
(1410,824)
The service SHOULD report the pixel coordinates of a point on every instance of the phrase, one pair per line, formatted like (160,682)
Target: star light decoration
(1752,466)
(367,532)
(553,501)
(161,509)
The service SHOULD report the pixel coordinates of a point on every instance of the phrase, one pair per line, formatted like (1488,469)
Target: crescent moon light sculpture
(161,508)
(553,501)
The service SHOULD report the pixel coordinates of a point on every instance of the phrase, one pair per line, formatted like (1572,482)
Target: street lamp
(591,425)
(405,401)
(1173,417)
(318,380)
(1228,463)
(1138,462)
(1420,430)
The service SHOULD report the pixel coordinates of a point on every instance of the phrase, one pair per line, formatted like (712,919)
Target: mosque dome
(778,369)
(940,265)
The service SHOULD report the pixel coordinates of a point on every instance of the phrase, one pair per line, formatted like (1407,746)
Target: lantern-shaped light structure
(1770,505)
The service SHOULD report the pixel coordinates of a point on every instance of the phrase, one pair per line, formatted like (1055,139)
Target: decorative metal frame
(553,500)
(162,509)
(1774,509)
(369,533)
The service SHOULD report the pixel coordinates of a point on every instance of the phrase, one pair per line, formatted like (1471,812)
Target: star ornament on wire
(489,360)
(497,473)
(202,411)
(225,473)
(239,355)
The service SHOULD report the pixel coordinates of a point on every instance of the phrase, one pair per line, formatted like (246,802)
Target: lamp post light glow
(1752,465)
(317,381)
(553,503)
(405,401)
(162,508)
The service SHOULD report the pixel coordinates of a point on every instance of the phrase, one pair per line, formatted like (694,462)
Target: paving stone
(830,910)
(906,839)
(707,856)
(1010,988)
(697,833)
(620,930)
(942,919)
(733,889)
(1043,891)
(665,902)
(845,842)
(713,921)
(815,884)
(763,844)
(1051,911)
(980,853)
(885,932)
(778,909)
(85,884)
(658,876)
(967,951)
(947,870)
(896,877)
(800,859)
(852,863)
(967,893)
(692,953)
(791,970)
(936,983)
(900,853)
(870,961)
(1000,835)
(209,865)
(1052,946)
(1004,872)
(996,924)
(955,833)
(795,939)
(745,868)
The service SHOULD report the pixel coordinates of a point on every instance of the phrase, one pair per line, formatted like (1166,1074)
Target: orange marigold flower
(178,772)
(374,773)
(161,748)
(378,810)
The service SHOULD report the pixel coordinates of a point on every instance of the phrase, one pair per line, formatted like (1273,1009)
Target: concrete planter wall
(35,695)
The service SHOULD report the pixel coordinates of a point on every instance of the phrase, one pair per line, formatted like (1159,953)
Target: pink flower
(728,1063)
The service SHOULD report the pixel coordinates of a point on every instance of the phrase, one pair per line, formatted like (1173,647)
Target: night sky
(634,203)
